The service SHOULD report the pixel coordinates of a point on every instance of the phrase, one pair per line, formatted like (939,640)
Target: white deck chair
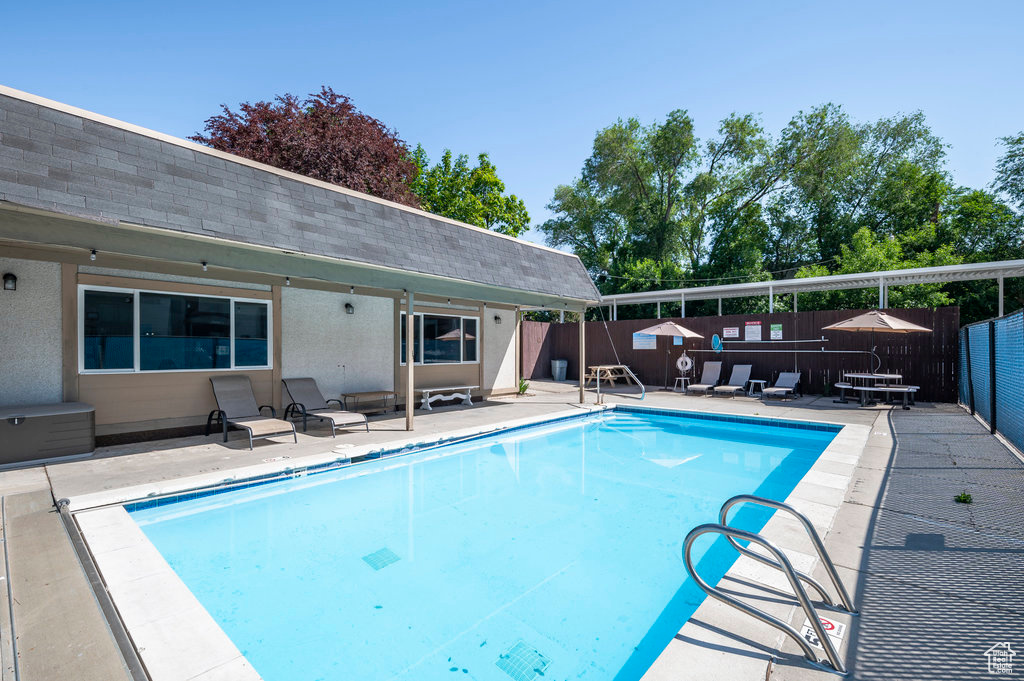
(785,385)
(737,381)
(708,378)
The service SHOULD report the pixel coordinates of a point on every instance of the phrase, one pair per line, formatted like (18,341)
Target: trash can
(558,367)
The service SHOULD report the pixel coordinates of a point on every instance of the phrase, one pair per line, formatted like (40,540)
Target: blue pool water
(550,552)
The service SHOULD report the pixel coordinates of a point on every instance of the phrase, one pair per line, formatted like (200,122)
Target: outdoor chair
(307,401)
(737,381)
(708,378)
(236,407)
(785,386)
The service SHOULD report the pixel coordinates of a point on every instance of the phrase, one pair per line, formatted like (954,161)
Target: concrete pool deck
(719,636)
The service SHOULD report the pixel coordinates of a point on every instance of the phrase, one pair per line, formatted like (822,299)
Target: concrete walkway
(938,582)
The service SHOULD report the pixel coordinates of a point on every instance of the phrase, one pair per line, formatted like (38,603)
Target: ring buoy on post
(684,364)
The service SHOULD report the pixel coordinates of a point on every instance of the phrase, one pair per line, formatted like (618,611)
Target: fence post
(970,381)
(992,373)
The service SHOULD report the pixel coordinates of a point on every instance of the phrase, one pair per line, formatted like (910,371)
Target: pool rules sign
(752,331)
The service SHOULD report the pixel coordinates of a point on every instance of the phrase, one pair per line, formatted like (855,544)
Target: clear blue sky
(532,83)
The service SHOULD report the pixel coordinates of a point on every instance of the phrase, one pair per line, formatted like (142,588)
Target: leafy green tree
(869,252)
(475,195)
(1010,169)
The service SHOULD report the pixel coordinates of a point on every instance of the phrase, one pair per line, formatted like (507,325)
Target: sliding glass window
(442,339)
(135,330)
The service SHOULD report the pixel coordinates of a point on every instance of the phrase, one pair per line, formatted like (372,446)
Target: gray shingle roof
(60,161)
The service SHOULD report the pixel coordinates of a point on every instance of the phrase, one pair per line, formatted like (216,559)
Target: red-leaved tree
(323,136)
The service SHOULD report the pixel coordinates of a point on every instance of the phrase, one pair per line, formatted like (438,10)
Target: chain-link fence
(992,374)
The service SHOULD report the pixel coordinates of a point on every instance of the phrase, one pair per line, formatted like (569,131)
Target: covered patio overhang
(31,233)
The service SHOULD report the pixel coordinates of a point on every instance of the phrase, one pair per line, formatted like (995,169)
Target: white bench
(451,392)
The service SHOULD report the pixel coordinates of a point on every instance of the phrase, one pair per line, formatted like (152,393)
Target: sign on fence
(752,331)
(645,341)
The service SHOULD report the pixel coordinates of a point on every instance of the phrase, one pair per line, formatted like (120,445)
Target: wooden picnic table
(610,373)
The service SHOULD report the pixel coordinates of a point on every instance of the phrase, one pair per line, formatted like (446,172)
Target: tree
(322,136)
(869,252)
(1010,169)
(473,195)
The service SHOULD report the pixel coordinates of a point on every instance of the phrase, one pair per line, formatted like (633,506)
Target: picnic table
(866,383)
(610,373)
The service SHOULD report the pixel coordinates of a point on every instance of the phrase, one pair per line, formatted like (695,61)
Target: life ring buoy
(684,364)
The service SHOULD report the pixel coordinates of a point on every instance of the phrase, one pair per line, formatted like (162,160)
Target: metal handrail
(844,596)
(643,390)
(833,663)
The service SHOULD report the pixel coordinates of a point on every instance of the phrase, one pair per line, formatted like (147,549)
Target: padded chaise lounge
(308,401)
(708,378)
(737,381)
(785,385)
(236,407)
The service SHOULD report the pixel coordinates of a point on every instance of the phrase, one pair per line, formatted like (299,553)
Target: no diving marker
(835,630)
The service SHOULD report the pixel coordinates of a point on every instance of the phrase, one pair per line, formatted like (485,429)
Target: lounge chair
(307,400)
(708,378)
(785,385)
(236,407)
(737,381)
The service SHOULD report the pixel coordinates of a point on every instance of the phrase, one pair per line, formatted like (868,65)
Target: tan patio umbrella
(669,329)
(876,320)
(454,335)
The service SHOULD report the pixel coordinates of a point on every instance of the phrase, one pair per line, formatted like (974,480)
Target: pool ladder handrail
(819,546)
(643,390)
(782,563)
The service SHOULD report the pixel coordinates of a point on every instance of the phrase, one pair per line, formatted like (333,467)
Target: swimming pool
(548,552)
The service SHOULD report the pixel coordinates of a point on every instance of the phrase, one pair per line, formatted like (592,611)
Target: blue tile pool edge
(291,473)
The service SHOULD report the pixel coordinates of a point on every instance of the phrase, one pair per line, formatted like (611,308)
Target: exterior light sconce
(497,319)
(204,265)
(10,282)
(352,290)
(287,281)
(92,254)
(349,309)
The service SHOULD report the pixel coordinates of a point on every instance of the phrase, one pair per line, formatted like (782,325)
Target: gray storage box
(46,431)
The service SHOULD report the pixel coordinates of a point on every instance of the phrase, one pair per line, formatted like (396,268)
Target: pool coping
(167,622)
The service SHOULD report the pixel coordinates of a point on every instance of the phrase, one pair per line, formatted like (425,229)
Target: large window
(135,330)
(442,339)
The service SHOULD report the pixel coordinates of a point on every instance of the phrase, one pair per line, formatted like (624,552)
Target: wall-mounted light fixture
(92,254)
(351,289)
(204,265)
(10,282)
(497,319)
(349,309)
(287,281)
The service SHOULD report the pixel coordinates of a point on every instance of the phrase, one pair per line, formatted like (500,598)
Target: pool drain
(381,559)
(523,662)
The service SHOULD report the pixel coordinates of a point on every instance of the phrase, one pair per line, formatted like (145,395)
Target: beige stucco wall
(343,352)
(499,350)
(30,334)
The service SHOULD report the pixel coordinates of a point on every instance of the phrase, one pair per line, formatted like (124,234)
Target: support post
(410,343)
(967,360)
(615,310)
(1000,297)
(881,293)
(682,305)
(561,316)
(719,307)
(992,375)
(583,356)
(771,299)
(659,309)
(795,308)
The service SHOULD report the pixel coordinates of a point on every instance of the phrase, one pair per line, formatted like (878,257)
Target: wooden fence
(925,359)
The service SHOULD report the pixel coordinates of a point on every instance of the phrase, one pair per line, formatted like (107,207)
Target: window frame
(136,333)
(462,342)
